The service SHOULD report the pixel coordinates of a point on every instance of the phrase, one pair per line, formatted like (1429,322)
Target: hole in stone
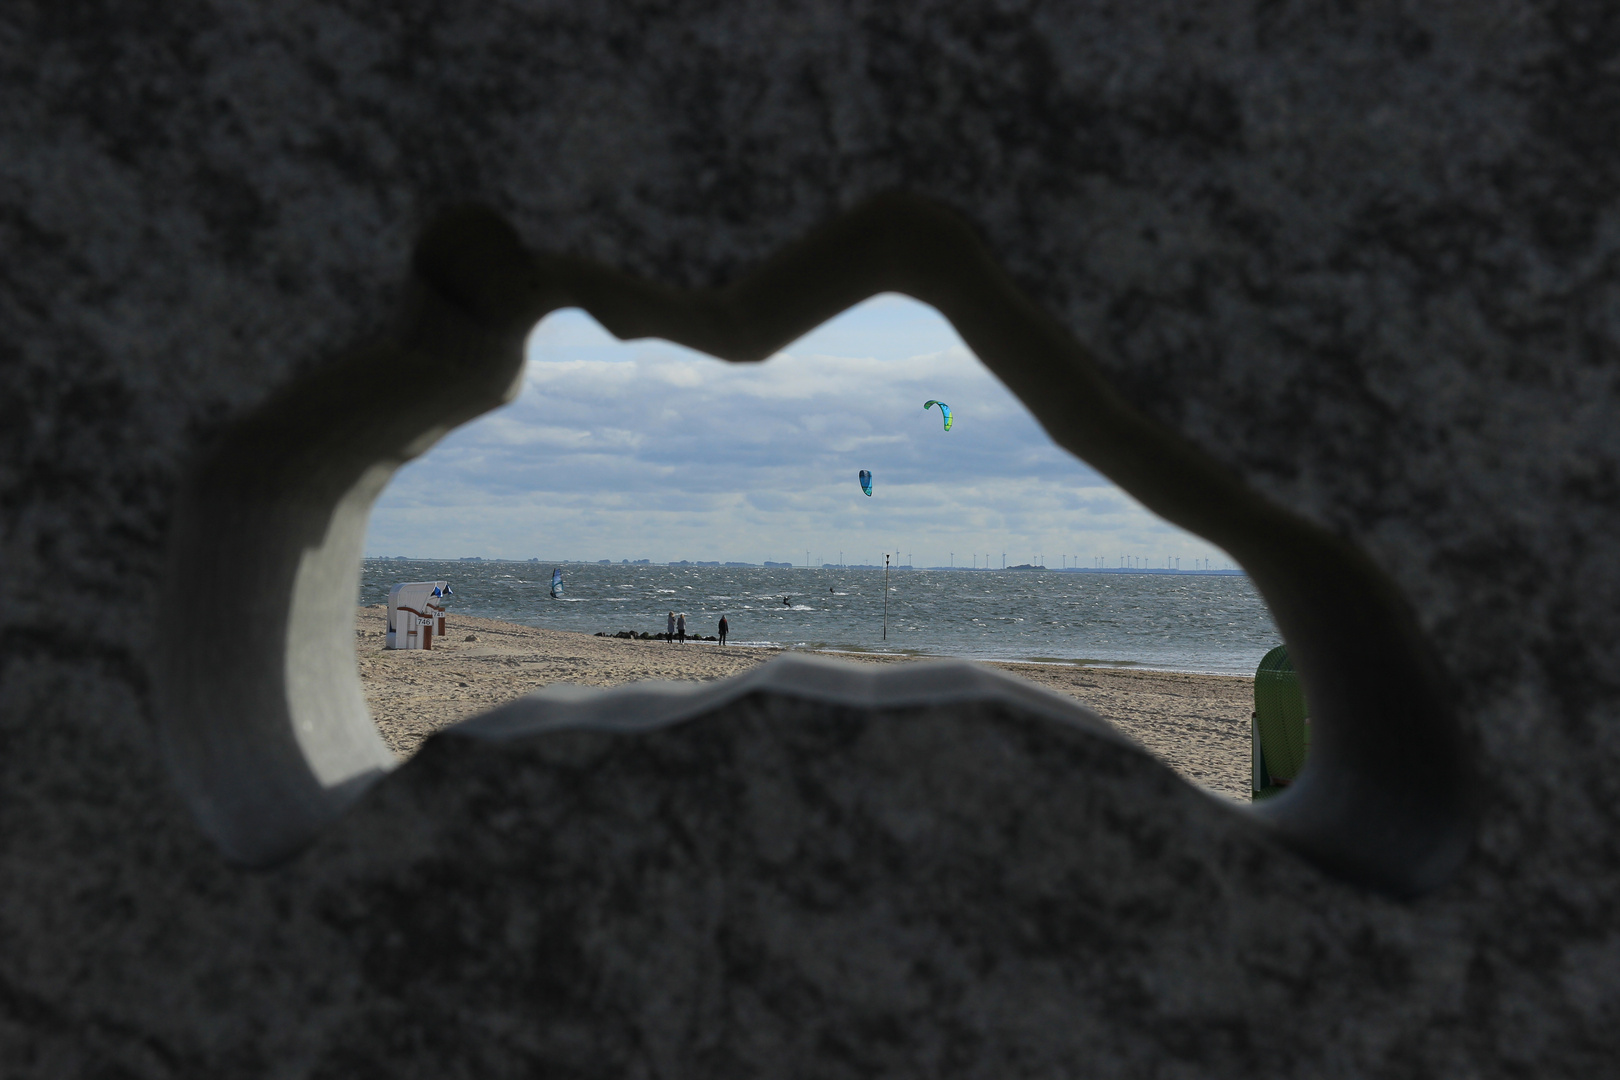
(262,717)
(657,479)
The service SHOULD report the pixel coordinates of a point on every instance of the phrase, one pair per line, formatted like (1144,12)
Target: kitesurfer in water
(786,601)
(724,628)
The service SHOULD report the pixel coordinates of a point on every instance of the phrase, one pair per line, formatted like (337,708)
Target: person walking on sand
(723,628)
(680,627)
(669,628)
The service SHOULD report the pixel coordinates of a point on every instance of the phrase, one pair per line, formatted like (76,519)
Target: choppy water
(1167,622)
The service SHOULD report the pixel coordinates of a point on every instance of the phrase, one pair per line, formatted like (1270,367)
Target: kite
(866,481)
(944,410)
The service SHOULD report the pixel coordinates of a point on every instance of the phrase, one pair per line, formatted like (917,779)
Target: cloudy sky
(645,450)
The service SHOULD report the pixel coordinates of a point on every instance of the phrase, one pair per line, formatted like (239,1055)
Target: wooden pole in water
(885,596)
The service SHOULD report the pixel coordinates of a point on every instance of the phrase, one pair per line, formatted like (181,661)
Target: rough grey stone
(1360,262)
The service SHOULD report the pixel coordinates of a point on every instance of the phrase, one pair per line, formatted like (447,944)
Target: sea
(1193,622)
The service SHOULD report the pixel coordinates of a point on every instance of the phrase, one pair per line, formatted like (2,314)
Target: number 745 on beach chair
(415,614)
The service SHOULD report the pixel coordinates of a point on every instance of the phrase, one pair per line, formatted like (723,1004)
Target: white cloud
(644,449)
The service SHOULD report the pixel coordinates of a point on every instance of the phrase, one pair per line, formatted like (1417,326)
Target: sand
(1196,724)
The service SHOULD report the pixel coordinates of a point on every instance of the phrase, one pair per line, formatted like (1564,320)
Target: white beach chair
(415,614)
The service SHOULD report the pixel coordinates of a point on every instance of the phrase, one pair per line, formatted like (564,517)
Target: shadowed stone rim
(645,706)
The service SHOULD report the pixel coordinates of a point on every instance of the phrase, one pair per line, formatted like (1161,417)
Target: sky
(647,450)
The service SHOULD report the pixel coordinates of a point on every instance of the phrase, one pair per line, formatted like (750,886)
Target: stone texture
(1363,258)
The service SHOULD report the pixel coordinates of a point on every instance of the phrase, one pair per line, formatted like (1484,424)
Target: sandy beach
(1197,724)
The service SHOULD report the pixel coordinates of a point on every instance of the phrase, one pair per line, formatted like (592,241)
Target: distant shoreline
(1159,571)
(1149,620)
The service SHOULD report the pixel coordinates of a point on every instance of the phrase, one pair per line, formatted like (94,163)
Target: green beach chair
(1281,724)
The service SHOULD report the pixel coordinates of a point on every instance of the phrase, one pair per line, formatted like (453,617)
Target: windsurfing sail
(944,410)
(556,584)
(866,481)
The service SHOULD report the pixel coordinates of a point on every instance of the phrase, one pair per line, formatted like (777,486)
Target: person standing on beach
(669,628)
(723,628)
(680,627)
